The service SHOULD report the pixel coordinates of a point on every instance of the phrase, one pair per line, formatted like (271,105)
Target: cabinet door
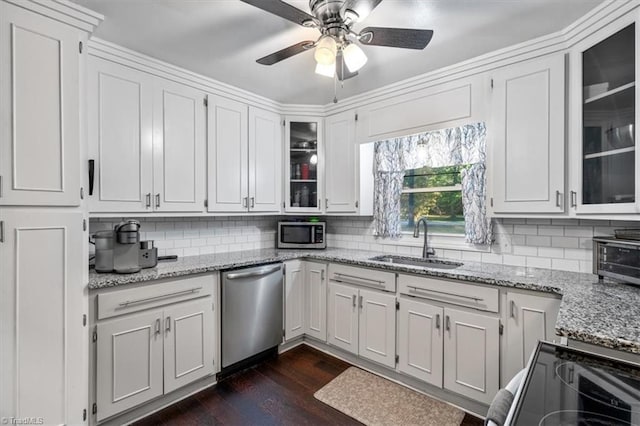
(605,154)
(120,104)
(471,357)
(265,161)
(304,165)
(420,340)
(43,343)
(377,328)
(227,155)
(39,136)
(530,319)
(528,103)
(315,300)
(129,362)
(341,164)
(189,338)
(178,148)
(342,321)
(294,299)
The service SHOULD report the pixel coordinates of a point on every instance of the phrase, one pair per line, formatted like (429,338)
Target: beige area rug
(373,400)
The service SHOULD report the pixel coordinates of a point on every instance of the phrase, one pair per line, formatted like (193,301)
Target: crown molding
(559,41)
(63,11)
(121,55)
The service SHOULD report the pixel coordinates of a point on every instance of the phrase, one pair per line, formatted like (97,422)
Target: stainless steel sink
(414,261)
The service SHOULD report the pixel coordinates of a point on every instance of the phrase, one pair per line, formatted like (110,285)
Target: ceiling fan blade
(341,68)
(395,37)
(362,7)
(282,9)
(285,53)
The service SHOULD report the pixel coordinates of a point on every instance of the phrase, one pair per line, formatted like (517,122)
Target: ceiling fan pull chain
(335,88)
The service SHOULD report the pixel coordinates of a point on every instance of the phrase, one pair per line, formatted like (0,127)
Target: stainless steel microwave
(302,235)
(617,258)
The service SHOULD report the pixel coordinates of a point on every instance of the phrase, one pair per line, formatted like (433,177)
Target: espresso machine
(121,250)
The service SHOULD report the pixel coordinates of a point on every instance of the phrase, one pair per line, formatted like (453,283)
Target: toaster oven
(617,258)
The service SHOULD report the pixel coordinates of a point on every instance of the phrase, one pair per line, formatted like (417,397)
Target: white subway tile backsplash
(538,262)
(551,230)
(550,252)
(538,241)
(525,229)
(565,242)
(565,265)
(509,259)
(575,231)
(525,250)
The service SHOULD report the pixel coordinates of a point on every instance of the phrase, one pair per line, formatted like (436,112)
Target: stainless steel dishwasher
(252,301)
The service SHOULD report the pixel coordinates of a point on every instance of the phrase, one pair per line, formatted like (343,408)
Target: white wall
(562,244)
(191,236)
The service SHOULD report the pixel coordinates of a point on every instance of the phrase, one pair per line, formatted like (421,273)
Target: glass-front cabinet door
(608,164)
(304,164)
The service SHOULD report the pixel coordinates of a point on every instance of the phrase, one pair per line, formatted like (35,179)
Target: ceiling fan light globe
(354,57)
(326,49)
(326,70)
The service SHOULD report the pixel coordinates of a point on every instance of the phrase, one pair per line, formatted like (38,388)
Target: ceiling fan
(336,50)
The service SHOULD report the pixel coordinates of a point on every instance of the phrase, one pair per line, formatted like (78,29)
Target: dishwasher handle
(254,273)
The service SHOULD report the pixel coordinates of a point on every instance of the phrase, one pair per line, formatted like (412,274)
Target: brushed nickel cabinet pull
(322,275)
(253,202)
(574,199)
(148,200)
(167,324)
(448,323)
(157,331)
(158,200)
(438,321)
(558,199)
(244,202)
(512,309)
(353,300)
(1,231)
(360,302)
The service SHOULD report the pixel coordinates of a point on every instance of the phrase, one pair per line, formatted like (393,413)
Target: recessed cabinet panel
(377,339)
(528,137)
(342,165)
(39,143)
(471,342)
(265,161)
(129,362)
(120,137)
(316,300)
(294,299)
(420,340)
(343,317)
(178,147)
(227,155)
(42,364)
(188,343)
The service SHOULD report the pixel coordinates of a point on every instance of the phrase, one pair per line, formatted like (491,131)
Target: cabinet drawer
(120,302)
(452,292)
(363,277)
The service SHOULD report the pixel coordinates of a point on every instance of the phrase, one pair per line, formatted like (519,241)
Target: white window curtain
(448,147)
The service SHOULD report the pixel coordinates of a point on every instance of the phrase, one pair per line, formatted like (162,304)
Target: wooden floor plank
(277,392)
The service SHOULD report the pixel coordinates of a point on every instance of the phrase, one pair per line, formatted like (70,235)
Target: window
(434,193)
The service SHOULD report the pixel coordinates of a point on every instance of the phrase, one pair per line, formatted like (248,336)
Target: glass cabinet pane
(303,154)
(608,136)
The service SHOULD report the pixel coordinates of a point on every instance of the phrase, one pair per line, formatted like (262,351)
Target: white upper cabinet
(120,121)
(228,155)
(527,137)
(342,166)
(39,110)
(146,141)
(244,158)
(265,161)
(604,93)
(304,165)
(178,147)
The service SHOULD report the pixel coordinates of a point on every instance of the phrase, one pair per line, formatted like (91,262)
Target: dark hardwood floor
(276,392)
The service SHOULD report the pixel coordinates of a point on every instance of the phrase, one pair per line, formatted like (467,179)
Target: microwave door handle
(313,234)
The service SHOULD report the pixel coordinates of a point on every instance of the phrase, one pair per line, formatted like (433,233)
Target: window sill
(437,241)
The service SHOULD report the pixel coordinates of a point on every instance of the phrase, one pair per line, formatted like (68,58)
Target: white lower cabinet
(152,340)
(315,299)
(363,322)
(456,349)
(530,318)
(420,340)
(293,299)
(305,300)
(471,354)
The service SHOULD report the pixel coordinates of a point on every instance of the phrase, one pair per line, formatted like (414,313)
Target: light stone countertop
(605,314)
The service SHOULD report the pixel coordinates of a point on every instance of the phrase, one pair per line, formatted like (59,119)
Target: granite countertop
(602,313)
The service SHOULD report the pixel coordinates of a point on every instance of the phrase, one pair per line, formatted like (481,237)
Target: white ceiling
(223,38)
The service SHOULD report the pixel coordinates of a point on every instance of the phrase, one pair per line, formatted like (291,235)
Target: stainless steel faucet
(426,251)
